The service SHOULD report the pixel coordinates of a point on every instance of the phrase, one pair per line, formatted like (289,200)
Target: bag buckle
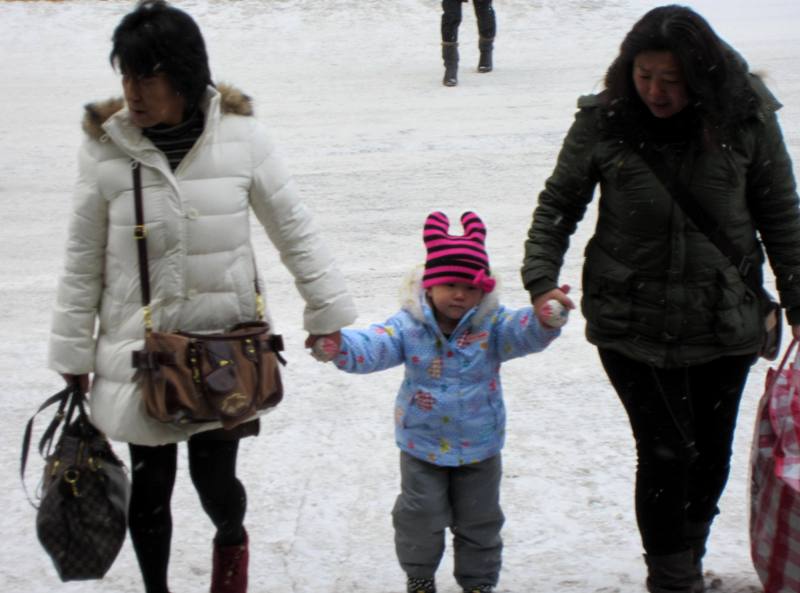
(744,267)
(276,345)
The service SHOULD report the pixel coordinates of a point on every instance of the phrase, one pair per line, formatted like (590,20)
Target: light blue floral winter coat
(449,409)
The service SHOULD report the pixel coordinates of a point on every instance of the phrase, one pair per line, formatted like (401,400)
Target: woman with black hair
(205,163)
(676,324)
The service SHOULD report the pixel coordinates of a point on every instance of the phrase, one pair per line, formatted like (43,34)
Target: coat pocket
(607,299)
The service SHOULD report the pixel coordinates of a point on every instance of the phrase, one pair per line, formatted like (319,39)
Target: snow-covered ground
(352,92)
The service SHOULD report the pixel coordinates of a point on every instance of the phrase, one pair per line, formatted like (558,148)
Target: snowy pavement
(351,90)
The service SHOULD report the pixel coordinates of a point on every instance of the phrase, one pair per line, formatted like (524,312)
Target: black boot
(696,536)
(486,46)
(450,57)
(670,573)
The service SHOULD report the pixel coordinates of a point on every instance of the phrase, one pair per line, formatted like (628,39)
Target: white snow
(352,92)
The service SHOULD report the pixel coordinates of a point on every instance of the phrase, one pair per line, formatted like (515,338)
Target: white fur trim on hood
(412,296)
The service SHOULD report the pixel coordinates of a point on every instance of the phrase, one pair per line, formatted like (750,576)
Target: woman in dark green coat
(676,326)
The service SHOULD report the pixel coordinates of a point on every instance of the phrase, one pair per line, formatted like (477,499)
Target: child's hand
(325,348)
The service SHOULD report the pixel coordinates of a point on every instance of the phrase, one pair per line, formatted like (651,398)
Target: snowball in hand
(553,314)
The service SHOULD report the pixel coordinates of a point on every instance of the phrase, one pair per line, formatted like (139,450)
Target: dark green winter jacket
(654,287)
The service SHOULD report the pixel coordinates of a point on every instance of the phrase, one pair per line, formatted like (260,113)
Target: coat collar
(110,120)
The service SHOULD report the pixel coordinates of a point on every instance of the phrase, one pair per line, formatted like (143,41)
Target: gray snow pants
(467,500)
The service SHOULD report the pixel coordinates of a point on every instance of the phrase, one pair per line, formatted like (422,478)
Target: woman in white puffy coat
(206,163)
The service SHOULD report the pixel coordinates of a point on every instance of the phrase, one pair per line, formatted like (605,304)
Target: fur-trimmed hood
(413,299)
(232,100)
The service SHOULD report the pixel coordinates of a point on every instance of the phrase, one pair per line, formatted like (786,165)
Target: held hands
(324,347)
(552,307)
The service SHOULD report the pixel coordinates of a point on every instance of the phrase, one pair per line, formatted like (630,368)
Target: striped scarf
(176,141)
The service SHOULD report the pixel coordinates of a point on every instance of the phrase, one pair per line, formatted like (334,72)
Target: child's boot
(450,57)
(479,589)
(417,585)
(486,45)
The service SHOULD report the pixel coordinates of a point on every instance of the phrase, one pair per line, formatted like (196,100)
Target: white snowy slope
(352,92)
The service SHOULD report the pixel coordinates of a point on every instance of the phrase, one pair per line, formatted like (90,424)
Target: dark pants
(451,19)
(467,500)
(683,422)
(212,466)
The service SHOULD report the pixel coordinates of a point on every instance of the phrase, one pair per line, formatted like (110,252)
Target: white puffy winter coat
(202,268)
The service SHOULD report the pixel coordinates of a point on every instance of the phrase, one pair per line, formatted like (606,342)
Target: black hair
(156,38)
(715,75)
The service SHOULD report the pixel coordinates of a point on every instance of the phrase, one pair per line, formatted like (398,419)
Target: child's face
(451,301)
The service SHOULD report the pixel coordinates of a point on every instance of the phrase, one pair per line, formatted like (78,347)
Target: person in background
(676,327)
(206,164)
(487,28)
(452,335)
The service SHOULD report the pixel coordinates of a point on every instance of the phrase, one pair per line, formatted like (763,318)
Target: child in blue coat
(451,335)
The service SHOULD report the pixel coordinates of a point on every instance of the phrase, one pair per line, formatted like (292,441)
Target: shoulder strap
(706,223)
(140,234)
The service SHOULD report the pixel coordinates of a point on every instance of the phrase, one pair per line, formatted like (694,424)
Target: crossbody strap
(140,234)
(706,223)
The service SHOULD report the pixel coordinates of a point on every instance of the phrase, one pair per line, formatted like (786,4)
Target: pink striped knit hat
(453,259)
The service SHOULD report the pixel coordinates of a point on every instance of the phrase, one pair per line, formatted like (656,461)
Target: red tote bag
(775,479)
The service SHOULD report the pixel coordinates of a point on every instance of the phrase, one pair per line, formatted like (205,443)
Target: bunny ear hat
(456,258)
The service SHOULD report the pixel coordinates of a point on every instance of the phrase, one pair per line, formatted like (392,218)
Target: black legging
(451,19)
(683,421)
(212,466)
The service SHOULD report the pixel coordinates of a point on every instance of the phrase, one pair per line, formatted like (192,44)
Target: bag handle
(779,428)
(777,372)
(69,399)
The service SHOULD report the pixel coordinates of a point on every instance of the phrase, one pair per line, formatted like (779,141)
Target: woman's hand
(559,294)
(82,380)
(796,331)
(324,347)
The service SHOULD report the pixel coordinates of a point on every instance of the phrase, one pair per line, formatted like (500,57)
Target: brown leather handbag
(194,377)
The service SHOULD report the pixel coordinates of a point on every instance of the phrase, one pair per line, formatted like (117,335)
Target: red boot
(229,574)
